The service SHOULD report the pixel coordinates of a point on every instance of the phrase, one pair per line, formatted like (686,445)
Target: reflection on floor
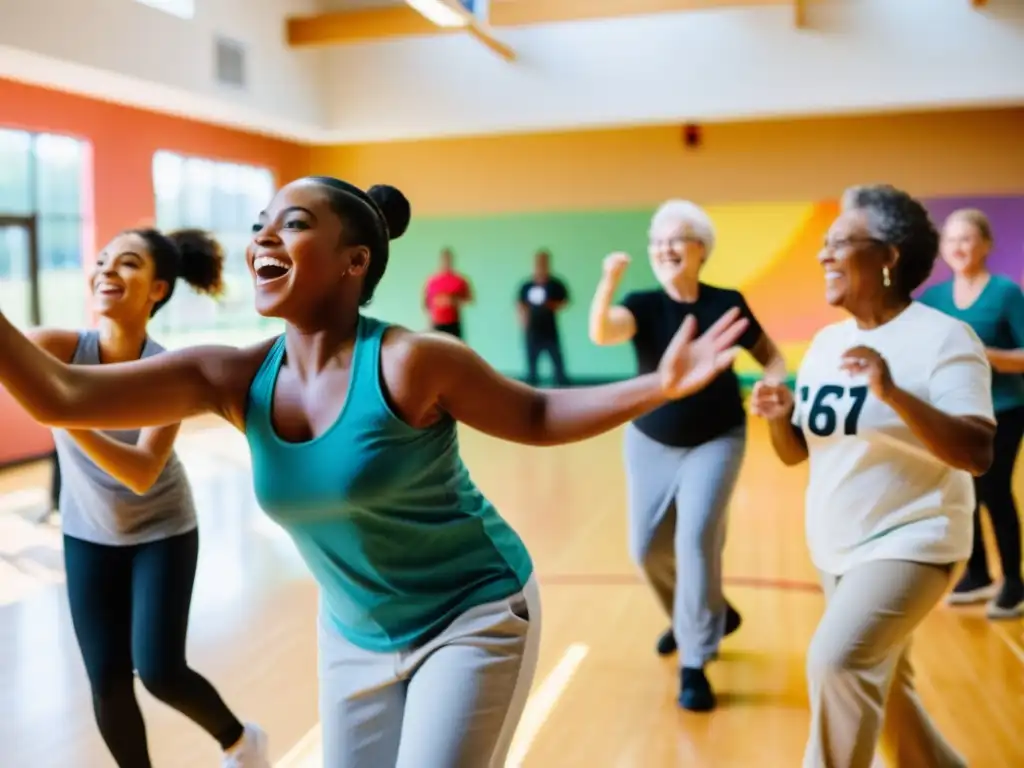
(601,697)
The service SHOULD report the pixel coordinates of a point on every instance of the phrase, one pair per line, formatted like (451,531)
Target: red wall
(123,141)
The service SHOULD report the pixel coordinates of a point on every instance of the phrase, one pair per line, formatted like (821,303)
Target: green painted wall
(496,253)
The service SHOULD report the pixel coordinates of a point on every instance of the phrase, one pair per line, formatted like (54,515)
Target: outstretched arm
(458,381)
(136,466)
(157,391)
(482,398)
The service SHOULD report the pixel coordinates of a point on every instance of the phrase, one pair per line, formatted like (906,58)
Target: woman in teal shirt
(429,614)
(993,306)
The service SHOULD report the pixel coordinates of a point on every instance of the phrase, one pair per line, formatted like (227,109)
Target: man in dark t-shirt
(540,300)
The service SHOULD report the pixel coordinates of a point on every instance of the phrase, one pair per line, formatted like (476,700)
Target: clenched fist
(615,264)
(771,400)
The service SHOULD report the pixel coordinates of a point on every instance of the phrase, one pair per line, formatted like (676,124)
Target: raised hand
(690,364)
(866,362)
(771,400)
(615,265)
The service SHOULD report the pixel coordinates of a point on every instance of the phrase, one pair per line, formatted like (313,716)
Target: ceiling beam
(481,33)
(800,13)
(373,24)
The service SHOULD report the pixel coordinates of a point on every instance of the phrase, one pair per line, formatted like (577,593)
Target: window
(183,9)
(45,176)
(223,198)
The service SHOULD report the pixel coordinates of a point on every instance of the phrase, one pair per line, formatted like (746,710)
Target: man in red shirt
(445,293)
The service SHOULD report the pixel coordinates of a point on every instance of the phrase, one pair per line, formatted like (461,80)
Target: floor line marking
(1005,637)
(542,701)
(305,752)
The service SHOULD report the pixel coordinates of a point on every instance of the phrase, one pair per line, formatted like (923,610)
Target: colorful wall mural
(767,250)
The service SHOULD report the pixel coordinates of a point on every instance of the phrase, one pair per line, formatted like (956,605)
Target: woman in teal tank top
(993,306)
(429,614)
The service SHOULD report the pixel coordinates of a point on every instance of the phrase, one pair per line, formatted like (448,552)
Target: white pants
(859,674)
(453,702)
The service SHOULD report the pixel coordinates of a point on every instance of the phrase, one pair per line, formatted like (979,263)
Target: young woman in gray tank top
(131,541)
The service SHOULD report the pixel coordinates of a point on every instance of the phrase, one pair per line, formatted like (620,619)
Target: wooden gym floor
(601,699)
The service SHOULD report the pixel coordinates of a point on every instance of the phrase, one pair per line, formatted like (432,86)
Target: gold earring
(885,277)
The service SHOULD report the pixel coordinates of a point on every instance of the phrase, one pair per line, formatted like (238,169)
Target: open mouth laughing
(109,290)
(269,269)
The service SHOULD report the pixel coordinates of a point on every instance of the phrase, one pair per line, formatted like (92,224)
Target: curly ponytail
(192,255)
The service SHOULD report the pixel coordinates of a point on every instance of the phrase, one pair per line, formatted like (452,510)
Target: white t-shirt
(875,491)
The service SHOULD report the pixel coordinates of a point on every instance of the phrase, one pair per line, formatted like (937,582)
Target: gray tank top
(96,507)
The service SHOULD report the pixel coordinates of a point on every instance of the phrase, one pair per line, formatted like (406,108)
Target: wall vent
(229,58)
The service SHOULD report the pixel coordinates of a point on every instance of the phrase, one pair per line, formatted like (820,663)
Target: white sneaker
(251,752)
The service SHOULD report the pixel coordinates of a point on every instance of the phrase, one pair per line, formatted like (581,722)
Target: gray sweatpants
(859,674)
(678,498)
(454,702)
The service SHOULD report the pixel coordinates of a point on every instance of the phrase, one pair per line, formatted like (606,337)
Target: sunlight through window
(183,9)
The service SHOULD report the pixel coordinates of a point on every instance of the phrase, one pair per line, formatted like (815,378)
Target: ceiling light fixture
(449,14)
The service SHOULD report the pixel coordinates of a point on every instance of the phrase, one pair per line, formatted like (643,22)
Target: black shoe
(1009,603)
(695,692)
(667,641)
(732,619)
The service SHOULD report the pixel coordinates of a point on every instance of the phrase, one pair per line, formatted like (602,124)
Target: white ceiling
(729,64)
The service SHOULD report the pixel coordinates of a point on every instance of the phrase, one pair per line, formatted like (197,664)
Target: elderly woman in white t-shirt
(893,409)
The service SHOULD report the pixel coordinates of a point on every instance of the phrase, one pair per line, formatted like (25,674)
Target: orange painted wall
(963,153)
(771,188)
(123,142)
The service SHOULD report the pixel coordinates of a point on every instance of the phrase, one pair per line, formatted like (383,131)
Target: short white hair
(691,216)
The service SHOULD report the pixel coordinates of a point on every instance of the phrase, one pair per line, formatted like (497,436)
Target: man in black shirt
(540,300)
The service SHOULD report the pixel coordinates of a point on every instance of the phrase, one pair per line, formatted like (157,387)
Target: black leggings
(130,606)
(994,490)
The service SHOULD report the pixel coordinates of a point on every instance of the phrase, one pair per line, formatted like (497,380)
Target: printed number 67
(822,417)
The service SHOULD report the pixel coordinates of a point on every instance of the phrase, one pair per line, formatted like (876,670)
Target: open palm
(690,364)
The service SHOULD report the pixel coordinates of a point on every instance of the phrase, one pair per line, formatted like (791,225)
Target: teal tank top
(997,316)
(393,529)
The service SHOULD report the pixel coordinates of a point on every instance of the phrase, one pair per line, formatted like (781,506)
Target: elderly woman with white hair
(682,460)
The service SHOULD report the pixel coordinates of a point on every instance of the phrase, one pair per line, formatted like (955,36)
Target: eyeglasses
(851,242)
(673,243)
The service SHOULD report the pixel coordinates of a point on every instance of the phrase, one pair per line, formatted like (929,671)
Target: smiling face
(123,283)
(676,254)
(298,257)
(853,261)
(964,246)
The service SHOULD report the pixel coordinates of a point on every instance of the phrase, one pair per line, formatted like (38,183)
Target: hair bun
(395,207)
